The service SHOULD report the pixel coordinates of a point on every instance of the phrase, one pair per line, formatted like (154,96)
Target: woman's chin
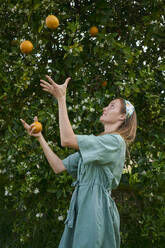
(101,119)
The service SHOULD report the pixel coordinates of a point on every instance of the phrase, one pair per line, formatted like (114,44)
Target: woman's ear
(122,117)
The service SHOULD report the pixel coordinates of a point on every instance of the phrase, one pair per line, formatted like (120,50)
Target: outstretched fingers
(67,81)
(51,81)
(46,86)
(44,83)
(26,126)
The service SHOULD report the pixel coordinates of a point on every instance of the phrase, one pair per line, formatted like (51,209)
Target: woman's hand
(58,91)
(30,129)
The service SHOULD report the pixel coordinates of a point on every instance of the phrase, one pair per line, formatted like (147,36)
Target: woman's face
(111,113)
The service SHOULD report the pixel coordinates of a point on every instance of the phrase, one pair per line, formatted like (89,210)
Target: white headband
(129,109)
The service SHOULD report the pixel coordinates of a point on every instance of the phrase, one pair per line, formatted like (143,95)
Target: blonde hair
(129,126)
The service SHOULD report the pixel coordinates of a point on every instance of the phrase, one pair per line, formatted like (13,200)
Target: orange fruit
(52,21)
(93,30)
(38,126)
(104,84)
(26,46)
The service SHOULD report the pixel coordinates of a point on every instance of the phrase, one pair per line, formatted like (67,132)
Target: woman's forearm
(54,161)
(66,131)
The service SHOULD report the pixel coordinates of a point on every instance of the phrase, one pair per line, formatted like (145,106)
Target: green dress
(93,220)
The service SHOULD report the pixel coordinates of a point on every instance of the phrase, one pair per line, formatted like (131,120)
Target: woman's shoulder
(115,136)
(107,138)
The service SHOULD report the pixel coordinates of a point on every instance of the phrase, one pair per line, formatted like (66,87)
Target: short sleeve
(71,163)
(101,150)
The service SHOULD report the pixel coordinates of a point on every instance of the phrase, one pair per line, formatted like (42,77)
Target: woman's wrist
(61,99)
(39,137)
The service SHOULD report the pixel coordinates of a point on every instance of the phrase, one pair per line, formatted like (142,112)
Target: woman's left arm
(68,138)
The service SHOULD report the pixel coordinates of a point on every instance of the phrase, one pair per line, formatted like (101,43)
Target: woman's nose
(104,110)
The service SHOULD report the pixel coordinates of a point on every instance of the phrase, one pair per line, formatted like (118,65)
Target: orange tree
(127,53)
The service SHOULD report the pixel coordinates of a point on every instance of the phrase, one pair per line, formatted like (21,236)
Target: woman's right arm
(68,138)
(54,161)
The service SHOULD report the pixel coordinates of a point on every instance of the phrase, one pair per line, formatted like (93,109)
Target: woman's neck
(110,128)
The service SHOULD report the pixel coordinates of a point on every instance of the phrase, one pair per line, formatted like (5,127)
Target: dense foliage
(127,53)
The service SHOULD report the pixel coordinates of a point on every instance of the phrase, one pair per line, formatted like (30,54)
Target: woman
(93,220)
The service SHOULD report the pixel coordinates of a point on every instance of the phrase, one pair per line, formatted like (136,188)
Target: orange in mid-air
(104,83)
(52,21)
(38,127)
(26,47)
(93,30)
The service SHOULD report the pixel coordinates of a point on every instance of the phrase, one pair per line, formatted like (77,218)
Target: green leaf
(161,68)
(51,190)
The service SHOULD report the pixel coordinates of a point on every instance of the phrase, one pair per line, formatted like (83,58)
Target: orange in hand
(38,127)
(26,46)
